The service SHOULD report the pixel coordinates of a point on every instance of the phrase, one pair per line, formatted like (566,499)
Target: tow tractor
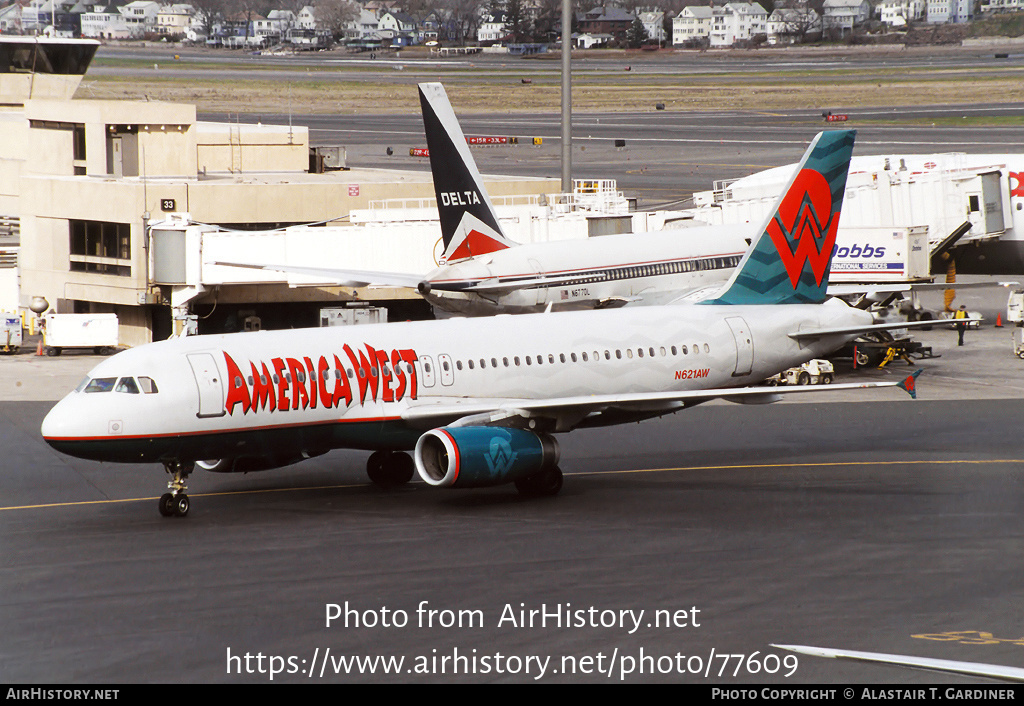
(813,372)
(879,348)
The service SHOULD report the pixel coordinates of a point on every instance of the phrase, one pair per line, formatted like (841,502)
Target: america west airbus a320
(478,401)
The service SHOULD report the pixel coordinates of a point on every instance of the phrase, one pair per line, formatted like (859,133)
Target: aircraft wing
(344,278)
(569,412)
(973,669)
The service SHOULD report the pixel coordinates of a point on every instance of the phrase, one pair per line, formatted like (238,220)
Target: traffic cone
(999,320)
(39,347)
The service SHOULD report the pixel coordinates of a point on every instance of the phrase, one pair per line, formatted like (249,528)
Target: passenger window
(128,385)
(149,386)
(101,385)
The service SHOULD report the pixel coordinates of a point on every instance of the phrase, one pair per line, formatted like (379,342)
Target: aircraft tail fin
(789,261)
(469,225)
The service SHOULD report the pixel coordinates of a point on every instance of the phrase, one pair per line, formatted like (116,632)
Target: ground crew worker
(960,313)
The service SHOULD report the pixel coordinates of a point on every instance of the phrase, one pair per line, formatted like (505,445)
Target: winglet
(910,384)
(789,261)
(469,225)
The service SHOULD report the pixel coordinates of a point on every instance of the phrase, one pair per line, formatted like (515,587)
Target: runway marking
(970,637)
(577,473)
(801,465)
(191,495)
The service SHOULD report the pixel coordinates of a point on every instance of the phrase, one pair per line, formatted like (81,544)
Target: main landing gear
(175,503)
(390,468)
(546,483)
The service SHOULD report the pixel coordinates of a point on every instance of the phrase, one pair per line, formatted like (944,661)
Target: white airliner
(478,399)
(482,272)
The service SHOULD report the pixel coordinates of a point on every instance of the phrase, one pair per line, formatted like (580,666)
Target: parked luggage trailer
(96,331)
(10,333)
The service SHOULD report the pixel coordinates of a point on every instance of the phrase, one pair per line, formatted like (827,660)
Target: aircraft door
(208,383)
(985,206)
(542,292)
(744,345)
(426,371)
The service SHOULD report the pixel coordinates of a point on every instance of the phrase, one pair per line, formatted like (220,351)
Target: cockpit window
(127,385)
(101,385)
(82,385)
(149,386)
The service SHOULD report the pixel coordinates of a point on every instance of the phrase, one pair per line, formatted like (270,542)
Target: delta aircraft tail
(469,225)
(790,260)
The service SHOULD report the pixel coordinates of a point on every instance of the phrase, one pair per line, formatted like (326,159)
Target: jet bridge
(940,191)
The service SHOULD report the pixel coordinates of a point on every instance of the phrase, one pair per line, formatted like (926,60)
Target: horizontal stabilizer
(891,326)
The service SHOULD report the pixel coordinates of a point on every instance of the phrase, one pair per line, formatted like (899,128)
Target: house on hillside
(605,19)
(654,25)
(949,11)
(692,25)
(899,13)
(493,29)
(841,16)
(399,27)
(737,22)
(793,26)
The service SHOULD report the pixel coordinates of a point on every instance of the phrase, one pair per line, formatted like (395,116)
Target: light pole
(566,96)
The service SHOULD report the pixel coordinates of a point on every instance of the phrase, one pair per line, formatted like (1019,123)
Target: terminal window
(101,247)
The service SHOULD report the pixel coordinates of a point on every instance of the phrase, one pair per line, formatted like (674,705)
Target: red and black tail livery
(469,225)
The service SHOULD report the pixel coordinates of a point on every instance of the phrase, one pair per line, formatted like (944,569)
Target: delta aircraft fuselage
(286,395)
(650,268)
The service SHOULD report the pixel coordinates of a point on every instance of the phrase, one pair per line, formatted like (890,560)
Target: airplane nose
(54,423)
(59,424)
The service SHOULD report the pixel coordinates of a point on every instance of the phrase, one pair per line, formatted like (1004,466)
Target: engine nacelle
(475,457)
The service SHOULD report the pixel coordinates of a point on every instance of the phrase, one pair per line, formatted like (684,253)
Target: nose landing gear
(176,503)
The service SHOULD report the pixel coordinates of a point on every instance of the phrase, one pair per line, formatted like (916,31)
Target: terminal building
(82,182)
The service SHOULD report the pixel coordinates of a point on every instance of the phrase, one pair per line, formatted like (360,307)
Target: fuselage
(297,393)
(647,268)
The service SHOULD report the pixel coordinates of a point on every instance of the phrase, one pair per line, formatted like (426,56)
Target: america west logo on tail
(790,261)
(807,222)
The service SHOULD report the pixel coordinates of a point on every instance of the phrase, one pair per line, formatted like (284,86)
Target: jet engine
(475,457)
